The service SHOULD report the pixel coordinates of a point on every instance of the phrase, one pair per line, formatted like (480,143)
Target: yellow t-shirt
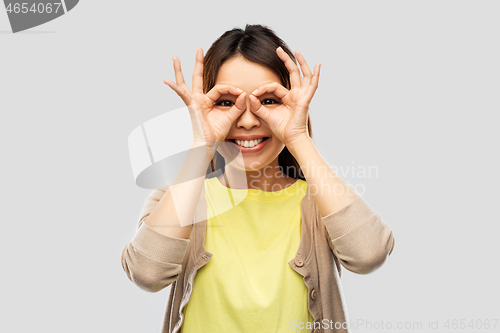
(248,285)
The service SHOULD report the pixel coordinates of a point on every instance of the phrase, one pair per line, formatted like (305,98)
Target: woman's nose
(248,119)
(248,104)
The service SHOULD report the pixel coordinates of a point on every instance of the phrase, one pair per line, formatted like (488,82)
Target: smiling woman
(257,242)
(249,133)
(248,59)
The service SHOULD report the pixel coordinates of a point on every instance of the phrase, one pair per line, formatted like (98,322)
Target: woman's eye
(225,103)
(268,101)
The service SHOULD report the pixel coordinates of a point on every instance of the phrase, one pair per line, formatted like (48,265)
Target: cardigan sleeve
(359,238)
(152,260)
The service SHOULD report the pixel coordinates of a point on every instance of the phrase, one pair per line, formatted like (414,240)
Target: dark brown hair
(257,44)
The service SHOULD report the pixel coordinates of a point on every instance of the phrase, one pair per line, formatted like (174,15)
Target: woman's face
(248,76)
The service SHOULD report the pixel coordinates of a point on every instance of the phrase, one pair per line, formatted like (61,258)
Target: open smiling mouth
(249,145)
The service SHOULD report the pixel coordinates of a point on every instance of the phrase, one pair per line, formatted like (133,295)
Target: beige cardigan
(354,237)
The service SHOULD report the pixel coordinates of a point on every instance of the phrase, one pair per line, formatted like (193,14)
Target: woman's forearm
(329,191)
(173,215)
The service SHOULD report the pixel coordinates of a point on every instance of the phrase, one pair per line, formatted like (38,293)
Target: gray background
(410,87)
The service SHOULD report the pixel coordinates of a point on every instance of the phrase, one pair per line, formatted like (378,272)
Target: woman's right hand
(210,124)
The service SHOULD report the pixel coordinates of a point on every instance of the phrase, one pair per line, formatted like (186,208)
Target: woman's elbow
(370,261)
(147,274)
(153,285)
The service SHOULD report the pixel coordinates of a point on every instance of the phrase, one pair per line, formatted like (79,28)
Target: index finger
(223,89)
(273,87)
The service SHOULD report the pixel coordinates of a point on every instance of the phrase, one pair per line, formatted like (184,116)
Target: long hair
(257,44)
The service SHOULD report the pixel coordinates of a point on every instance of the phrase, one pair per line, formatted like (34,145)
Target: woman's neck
(269,179)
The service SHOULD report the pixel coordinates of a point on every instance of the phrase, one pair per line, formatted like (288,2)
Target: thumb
(238,107)
(258,109)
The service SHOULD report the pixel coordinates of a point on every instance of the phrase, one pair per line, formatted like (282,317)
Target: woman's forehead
(241,72)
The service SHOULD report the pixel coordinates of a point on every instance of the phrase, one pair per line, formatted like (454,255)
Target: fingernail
(279,48)
(255,91)
(239,90)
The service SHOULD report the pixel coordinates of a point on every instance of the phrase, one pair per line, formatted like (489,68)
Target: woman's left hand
(288,120)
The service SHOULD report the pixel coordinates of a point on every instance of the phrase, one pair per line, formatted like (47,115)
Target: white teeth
(249,144)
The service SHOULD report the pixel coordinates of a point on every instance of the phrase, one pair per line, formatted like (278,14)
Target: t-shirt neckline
(256,194)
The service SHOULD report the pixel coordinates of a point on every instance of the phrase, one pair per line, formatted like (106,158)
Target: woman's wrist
(294,146)
(211,147)
(198,143)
